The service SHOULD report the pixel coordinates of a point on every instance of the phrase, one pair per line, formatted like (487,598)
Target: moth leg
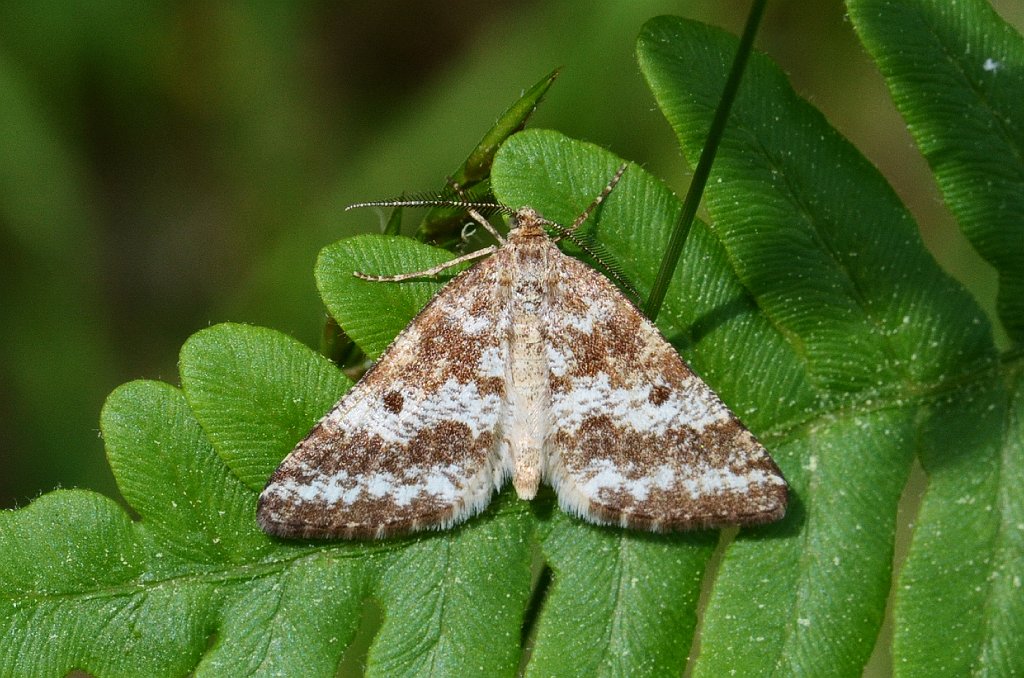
(477,217)
(430,272)
(585,214)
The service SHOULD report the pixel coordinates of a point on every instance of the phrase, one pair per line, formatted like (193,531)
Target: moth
(529,365)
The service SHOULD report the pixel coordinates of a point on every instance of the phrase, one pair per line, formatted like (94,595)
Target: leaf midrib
(247,571)
(896,395)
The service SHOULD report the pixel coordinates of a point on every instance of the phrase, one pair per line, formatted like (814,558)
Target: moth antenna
(585,214)
(600,254)
(475,209)
(594,249)
(434,202)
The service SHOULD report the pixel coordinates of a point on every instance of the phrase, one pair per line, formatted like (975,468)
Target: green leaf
(959,607)
(48,563)
(243,383)
(456,602)
(145,603)
(192,507)
(966,113)
(834,261)
(477,166)
(373,313)
(194,586)
(197,520)
(294,620)
(621,603)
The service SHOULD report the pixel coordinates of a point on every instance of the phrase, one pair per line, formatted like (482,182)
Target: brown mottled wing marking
(414,444)
(638,440)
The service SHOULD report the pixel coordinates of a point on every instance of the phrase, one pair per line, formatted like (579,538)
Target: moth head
(528,220)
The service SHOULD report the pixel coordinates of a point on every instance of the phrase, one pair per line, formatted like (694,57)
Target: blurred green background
(167,166)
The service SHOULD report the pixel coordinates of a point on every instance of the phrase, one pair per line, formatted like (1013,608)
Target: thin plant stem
(703,169)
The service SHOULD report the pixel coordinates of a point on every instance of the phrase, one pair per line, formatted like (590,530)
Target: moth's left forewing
(414,445)
(638,439)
